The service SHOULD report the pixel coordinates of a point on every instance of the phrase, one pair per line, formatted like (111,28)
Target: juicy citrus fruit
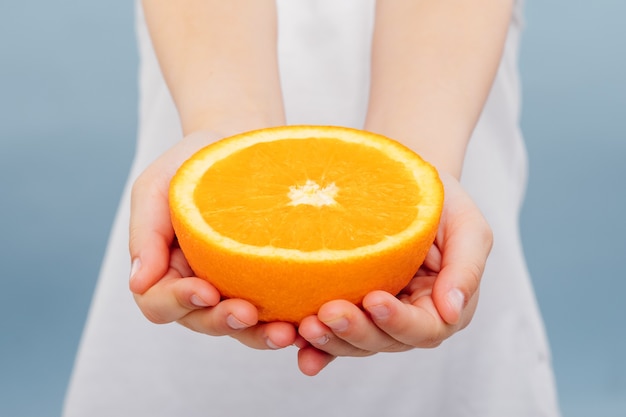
(291,217)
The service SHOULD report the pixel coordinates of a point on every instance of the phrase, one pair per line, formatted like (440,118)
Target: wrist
(444,148)
(229,119)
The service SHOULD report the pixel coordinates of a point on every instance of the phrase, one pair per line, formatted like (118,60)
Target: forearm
(433,63)
(219,61)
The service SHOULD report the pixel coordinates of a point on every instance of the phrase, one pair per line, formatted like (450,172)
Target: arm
(433,63)
(219,62)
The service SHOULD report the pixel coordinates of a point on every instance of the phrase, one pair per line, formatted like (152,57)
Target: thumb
(465,240)
(150,230)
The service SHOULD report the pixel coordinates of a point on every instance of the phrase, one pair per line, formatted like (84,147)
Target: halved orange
(291,217)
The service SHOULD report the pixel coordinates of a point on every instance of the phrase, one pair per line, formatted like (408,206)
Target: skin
(433,63)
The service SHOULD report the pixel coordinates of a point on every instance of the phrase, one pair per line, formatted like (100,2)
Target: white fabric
(499,366)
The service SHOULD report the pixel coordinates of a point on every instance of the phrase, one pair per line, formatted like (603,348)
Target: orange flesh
(260,211)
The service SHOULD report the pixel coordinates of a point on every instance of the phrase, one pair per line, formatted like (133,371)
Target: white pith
(312,194)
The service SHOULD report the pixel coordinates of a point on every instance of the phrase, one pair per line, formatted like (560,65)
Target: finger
(341,329)
(322,338)
(173,297)
(275,335)
(467,243)
(178,262)
(311,360)
(325,339)
(464,241)
(239,319)
(150,231)
(225,318)
(413,323)
(432,261)
(356,329)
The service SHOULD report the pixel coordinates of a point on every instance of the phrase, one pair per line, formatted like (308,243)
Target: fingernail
(320,341)
(338,325)
(456,299)
(271,344)
(197,301)
(234,323)
(134,268)
(379,312)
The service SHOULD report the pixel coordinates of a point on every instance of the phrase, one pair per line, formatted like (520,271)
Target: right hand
(163,284)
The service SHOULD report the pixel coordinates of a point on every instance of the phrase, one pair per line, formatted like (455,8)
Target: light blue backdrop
(574,222)
(67,124)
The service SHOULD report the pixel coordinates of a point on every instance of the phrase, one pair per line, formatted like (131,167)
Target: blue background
(67,126)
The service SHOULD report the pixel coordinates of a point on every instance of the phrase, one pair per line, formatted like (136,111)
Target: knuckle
(474,273)
(435,337)
(155,316)
(133,240)
(487,237)
(396,347)
(138,185)
(431,342)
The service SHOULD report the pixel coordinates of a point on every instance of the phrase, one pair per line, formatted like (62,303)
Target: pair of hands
(439,301)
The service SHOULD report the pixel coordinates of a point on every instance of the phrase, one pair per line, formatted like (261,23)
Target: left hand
(438,302)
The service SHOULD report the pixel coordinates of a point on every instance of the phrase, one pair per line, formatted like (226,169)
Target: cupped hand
(438,302)
(162,282)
